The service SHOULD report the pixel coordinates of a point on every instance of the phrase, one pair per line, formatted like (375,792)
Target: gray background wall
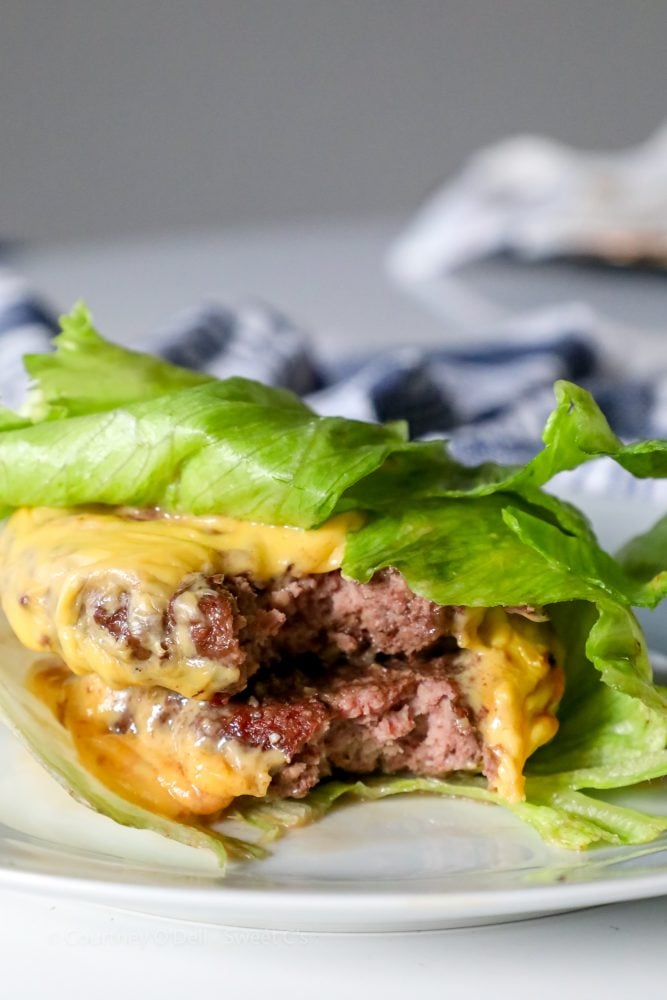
(129,115)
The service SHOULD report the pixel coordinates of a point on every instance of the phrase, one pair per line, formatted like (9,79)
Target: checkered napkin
(490,400)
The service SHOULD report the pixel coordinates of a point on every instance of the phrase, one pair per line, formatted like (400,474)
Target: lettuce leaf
(232,447)
(565,819)
(87,374)
(10,421)
(161,432)
(644,558)
(485,551)
(576,432)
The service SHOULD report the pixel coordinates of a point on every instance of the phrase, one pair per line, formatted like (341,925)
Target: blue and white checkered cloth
(490,399)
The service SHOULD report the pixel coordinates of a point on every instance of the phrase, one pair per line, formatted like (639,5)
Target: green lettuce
(87,374)
(576,432)
(563,818)
(10,421)
(121,415)
(232,447)
(644,558)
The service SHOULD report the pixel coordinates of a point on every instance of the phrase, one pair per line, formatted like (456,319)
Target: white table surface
(329,277)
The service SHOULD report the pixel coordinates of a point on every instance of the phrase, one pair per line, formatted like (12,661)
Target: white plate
(408,863)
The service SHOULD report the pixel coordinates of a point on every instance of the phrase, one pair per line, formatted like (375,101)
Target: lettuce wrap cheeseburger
(236,607)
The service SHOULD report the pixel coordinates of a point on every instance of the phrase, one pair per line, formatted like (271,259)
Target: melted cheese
(160,764)
(58,566)
(513,685)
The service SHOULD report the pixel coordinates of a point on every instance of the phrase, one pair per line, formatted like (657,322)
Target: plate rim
(316,910)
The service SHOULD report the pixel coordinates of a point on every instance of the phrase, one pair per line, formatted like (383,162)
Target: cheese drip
(59,565)
(513,685)
(156,762)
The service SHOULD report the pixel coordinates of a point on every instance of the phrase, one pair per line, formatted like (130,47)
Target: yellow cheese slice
(57,563)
